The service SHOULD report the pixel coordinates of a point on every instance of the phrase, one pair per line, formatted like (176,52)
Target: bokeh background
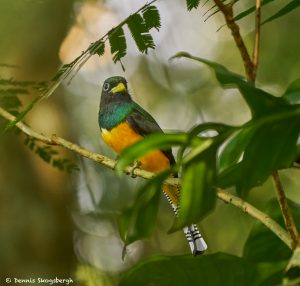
(55,224)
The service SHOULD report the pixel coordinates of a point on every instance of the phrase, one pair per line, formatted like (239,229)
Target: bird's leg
(136,165)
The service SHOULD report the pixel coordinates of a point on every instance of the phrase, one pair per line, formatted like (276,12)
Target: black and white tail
(196,242)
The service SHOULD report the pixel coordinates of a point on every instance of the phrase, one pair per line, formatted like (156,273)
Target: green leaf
(283,11)
(138,221)
(13,91)
(259,101)
(192,4)
(234,148)
(198,139)
(151,17)
(260,150)
(10,102)
(292,93)
(97,48)
(251,10)
(292,276)
(197,194)
(272,147)
(150,143)
(263,245)
(21,115)
(219,269)
(118,44)
(140,33)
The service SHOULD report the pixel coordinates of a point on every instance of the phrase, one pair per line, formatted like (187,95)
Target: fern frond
(192,4)
(151,18)
(140,33)
(117,43)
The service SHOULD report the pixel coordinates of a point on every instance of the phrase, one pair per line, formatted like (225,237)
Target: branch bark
(227,11)
(257,38)
(286,213)
(109,163)
(257,214)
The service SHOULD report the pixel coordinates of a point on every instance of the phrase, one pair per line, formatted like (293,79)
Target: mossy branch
(109,163)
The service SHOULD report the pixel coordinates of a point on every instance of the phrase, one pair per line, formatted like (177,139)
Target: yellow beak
(119,88)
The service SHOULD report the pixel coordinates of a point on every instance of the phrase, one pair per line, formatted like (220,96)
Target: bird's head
(114,85)
(115,102)
(114,90)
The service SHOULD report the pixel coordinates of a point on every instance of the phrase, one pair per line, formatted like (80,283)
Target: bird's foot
(137,165)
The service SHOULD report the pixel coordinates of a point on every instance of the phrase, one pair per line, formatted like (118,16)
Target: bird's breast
(120,137)
(123,136)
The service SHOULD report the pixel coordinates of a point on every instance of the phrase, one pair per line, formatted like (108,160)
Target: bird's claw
(136,165)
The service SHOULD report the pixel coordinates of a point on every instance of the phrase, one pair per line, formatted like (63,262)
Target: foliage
(50,155)
(214,269)
(10,91)
(241,156)
(139,23)
(227,159)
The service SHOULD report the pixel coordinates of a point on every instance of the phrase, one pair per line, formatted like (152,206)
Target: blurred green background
(59,225)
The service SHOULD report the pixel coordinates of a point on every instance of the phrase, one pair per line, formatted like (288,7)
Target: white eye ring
(106,86)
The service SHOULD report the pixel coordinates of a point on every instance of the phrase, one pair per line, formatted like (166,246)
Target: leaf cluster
(50,155)
(237,156)
(139,23)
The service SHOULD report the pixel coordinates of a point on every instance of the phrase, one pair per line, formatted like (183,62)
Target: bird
(122,123)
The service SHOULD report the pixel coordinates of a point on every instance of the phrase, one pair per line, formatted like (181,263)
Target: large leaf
(272,147)
(292,276)
(234,148)
(138,221)
(261,147)
(150,143)
(264,143)
(292,93)
(264,246)
(259,101)
(200,145)
(283,11)
(218,269)
(197,196)
(262,150)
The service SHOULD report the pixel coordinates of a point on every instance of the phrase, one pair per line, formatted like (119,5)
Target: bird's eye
(106,86)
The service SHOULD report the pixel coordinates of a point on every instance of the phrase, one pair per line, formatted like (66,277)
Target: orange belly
(123,136)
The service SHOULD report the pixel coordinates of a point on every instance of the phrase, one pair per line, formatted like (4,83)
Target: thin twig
(287,216)
(257,214)
(257,38)
(227,11)
(105,161)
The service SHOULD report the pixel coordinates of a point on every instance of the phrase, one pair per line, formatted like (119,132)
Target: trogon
(123,122)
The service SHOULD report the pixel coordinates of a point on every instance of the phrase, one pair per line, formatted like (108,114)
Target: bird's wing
(144,124)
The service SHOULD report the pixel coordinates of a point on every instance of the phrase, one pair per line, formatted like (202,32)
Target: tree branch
(257,214)
(105,161)
(257,38)
(286,213)
(227,11)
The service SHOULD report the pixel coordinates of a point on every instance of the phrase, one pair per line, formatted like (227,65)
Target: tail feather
(196,242)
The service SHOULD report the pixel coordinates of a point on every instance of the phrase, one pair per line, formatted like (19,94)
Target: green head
(115,103)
